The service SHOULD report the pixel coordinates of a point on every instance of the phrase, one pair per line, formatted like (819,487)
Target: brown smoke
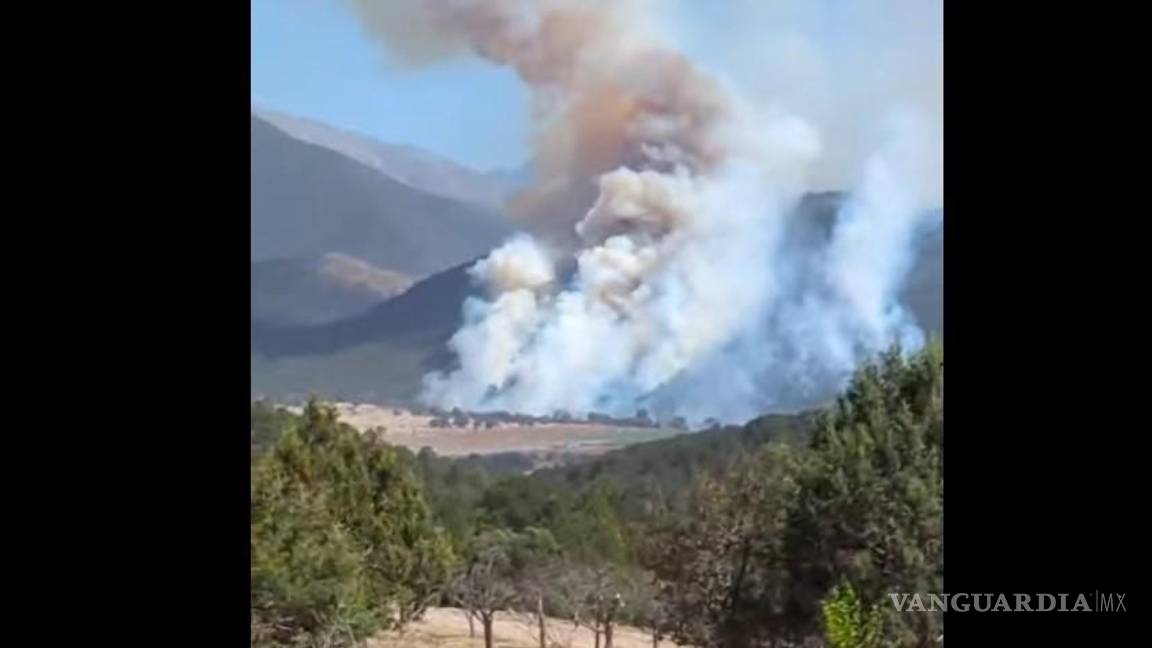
(608,95)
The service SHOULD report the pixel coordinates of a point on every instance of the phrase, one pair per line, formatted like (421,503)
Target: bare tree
(538,582)
(482,588)
(592,597)
(456,594)
(646,610)
(505,570)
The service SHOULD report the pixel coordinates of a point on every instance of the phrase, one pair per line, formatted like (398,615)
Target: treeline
(787,529)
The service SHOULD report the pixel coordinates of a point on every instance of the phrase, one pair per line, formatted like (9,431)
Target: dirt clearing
(448,628)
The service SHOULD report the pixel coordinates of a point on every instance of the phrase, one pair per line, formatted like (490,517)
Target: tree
(537,564)
(721,563)
(646,610)
(495,571)
(592,596)
(307,581)
(754,557)
(590,528)
(342,542)
(870,505)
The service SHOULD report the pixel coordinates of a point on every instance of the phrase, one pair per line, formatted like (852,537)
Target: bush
(847,622)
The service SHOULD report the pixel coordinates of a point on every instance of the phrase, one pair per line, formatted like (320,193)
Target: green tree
(342,542)
(870,504)
(753,558)
(590,529)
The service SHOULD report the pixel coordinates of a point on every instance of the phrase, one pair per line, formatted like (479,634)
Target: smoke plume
(660,264)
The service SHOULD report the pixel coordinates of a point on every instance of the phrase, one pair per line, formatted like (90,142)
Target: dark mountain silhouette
(430,309)
(379,355)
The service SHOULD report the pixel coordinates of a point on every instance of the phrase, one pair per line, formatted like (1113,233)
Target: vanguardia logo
(1091,602)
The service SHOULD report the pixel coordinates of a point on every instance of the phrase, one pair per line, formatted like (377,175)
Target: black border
(1042,473)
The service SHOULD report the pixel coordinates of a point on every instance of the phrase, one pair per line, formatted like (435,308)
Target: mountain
(382,354)
(379,355)
(308,201)
(312,291)
(414,167)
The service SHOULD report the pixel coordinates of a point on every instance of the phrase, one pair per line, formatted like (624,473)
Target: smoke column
(659,265)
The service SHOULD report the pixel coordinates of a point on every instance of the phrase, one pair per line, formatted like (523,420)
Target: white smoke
(843,66)
(831,304)
(664,270)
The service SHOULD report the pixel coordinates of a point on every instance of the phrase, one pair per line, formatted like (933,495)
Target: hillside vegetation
(786,529)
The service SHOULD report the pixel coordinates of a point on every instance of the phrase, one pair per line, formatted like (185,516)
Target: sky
(311,59)
(838,63)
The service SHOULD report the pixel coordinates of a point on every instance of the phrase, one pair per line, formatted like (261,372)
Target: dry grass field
(415,431)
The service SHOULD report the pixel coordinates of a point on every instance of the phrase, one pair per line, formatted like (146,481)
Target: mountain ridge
(418,168)
(308,201)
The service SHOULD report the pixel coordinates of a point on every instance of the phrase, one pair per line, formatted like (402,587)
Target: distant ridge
(308,201)
(423,170)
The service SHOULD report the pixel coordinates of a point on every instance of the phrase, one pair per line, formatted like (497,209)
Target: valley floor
(415,431)
(448,628)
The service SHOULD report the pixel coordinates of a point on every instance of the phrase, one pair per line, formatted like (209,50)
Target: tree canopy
(342,542)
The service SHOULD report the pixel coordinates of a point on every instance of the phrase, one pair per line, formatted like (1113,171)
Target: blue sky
(311,59)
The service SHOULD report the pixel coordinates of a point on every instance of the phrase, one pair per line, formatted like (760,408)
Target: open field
(416,431)
(448,628)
